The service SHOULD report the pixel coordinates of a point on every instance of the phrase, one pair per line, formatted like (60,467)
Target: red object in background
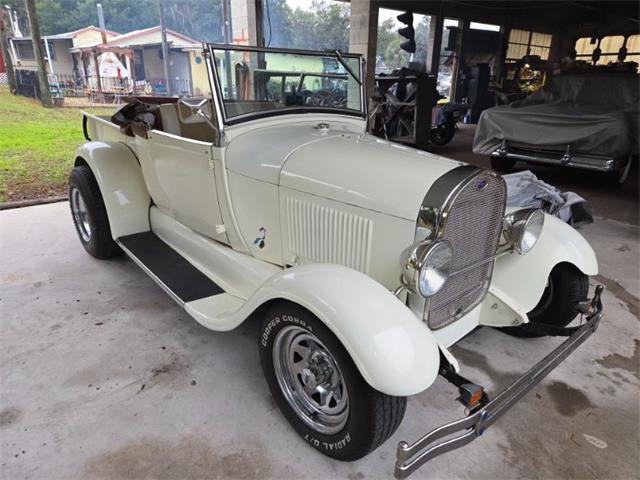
(2,68)
(118,73)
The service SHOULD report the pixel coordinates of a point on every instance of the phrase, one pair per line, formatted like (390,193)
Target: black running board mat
(170,269)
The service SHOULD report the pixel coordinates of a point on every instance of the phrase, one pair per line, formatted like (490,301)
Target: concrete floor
(103,376)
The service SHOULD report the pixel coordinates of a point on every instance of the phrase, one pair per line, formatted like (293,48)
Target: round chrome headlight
(426,266)
(523,228)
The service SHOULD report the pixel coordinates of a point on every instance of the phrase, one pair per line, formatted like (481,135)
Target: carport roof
(541,15)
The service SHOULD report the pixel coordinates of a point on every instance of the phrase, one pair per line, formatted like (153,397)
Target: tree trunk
(165,47)
(36,40)
(8,63)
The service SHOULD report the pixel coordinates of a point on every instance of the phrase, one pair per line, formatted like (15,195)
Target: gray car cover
(595,113)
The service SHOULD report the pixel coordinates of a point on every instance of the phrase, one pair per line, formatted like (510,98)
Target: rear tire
(301,358)
(502,165)
(567,286)
(90,215)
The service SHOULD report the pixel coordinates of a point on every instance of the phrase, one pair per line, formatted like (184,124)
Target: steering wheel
(321,98)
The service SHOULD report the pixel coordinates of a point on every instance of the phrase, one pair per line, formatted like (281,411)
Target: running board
(170,270)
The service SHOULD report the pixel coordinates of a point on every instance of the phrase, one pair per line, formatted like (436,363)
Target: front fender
(393,350)
(523,278)
(122,186)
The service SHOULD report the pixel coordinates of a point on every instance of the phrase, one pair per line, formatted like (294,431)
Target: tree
(36,41)
(277,23)
(200,19)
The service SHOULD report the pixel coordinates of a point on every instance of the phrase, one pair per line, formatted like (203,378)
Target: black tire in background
(566,288)
(443,134)
(619,176)
(372,417)
(89,214)
(502,165)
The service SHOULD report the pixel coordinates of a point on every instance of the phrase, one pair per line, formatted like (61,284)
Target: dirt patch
(567,400)
(630,364)
(175,372)
(9,416)
(191,458)
(629,299)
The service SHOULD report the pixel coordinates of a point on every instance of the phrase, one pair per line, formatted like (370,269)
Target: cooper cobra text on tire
(89,214)
(319,389)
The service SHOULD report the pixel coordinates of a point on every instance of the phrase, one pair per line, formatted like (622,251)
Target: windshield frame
(218,98)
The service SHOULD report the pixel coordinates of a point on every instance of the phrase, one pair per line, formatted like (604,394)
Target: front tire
(319,389)
(566,288)
(90,215)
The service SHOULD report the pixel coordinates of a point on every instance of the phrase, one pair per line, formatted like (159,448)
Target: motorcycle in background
(393,112)
(444,120)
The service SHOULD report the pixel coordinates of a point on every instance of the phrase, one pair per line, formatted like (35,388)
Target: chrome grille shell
(466,209)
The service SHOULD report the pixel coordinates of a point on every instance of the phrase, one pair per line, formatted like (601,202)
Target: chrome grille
(472,223)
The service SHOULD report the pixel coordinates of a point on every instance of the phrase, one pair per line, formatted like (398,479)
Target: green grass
(37,146)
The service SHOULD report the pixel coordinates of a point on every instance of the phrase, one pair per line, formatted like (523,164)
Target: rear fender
(122,186)
(520,280)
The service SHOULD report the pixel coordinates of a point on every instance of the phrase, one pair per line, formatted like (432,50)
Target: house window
(633,49)
(52,49)
(523,43)
(609,48)
(24,49)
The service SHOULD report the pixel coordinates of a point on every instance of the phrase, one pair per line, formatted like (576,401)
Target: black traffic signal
(407,32)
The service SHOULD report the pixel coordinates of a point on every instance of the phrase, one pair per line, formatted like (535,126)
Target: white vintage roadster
(361,261)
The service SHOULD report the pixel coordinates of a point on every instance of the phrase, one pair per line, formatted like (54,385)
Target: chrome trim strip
(441,193)
(583,162)
(249,48)
(409,457)
(216,90)
(153,276)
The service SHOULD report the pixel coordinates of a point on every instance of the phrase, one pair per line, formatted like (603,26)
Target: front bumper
(594,163)
(411,457)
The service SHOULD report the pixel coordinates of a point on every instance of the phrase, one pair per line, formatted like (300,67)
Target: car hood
(340,164)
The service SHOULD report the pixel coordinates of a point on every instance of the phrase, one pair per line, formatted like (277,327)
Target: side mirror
(199,112)
(194,112)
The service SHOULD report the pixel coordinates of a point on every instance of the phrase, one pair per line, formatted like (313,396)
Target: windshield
(260,82)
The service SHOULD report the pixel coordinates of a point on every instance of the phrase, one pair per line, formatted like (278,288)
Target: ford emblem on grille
(481,184)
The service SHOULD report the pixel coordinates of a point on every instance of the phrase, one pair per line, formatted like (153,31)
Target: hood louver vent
(316,233)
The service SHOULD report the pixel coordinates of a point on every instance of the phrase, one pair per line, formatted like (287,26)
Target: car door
(180,175)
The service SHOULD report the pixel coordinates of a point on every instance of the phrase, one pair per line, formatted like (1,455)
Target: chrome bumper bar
(410,457)
(568,159)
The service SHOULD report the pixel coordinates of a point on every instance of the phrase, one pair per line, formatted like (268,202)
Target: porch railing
(80,91)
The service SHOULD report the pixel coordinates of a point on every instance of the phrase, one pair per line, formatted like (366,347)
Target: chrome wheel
(310,379)
(80,214)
